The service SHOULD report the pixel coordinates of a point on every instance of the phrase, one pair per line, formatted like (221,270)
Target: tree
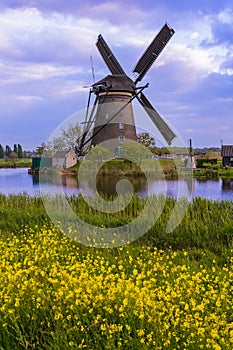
(45,149)
(1,151)
(8,151)
(94,159)
(15,149)
(13,155)
(146,140)
(99,153)
(68,138)
(40,149)
(134,151)
(20,151)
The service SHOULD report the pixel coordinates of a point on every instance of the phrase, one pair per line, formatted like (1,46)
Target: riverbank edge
(123,168)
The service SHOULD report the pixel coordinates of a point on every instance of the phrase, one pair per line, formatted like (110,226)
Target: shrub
(205,162)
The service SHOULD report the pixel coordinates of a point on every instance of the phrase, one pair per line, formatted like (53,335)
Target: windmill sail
(111,61)
(161,125)
(153,51)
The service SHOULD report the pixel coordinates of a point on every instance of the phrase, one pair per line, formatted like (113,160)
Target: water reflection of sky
(15,181)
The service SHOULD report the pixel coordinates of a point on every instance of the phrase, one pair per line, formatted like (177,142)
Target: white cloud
(194,35)
(226,16)
(27,99)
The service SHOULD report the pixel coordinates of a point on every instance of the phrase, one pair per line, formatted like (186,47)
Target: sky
(45,49)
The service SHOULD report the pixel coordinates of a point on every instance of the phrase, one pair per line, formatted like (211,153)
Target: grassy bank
(213,174)
(160,167)
(125,167)
(226,173)
(16,163)
(164,291)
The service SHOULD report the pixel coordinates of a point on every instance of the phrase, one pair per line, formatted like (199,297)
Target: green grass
(226,173)
(18,163)
(213,173)
(206,224)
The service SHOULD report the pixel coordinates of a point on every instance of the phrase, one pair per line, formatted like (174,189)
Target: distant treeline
(8,152)
(183,150)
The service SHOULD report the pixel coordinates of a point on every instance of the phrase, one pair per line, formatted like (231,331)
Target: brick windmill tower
(112,112)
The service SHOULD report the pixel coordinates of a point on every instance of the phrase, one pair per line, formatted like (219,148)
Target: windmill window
(119,150)
(121,139)
(121,126)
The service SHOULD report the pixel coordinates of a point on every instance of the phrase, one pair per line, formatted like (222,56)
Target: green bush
(205,162)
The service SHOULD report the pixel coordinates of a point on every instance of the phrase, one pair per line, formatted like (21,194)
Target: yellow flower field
(57,295)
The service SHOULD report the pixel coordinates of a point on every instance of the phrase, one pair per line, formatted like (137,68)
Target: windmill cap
(118,83)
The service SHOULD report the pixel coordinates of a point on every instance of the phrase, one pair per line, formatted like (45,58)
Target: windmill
(190,160)
(111,116)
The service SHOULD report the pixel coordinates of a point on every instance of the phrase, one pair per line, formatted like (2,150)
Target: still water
(16,181)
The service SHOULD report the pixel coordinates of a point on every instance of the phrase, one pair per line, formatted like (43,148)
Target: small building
(70,159)
(64,159)
(41,162)
(227,155)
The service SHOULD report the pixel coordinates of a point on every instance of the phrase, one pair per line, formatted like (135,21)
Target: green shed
(41,162)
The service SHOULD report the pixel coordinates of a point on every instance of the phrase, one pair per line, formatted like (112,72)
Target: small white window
(121,126)
(121,139)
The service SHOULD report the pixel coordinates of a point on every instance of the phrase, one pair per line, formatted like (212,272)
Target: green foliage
(205,162)
(135,152)
(98,153)
(13,155)
(20,151)
(19,163)
(41,149)
(159,151)
(206,224)
(1,151)
(216,166)
(8,151)
(16,153)
(206,174)
(146,140)
(227,172)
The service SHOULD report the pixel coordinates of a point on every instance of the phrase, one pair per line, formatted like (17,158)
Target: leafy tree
(15,149)
(146,140)
(13,155)
(8,151)
(20,151)
(40,149)
(1,151)
(95,158)
(45,149)
(99,153)
(135,151)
